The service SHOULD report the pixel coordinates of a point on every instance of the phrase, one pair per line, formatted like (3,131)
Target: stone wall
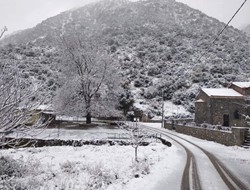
(228,138)
(202,108)
(223,106)
(201,112)
(168,126)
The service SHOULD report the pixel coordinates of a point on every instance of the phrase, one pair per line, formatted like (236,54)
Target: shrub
(17,174)
(10,167)
(50,82)
(141,167)
(138,83)
(69,167)
(34,70)
(25,75)
(150,92)
(21,66)
(100,177)
(153,70)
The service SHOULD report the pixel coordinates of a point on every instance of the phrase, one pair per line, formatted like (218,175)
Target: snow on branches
(91,82)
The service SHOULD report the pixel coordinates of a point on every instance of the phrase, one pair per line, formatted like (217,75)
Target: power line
(218,35)
(3,31)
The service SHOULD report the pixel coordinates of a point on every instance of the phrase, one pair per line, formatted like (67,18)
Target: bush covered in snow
(100,177)
(10,167)
(141,167)
(18,174)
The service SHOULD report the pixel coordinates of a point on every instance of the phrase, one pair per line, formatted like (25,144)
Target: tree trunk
(88,118)
(136,149)
(88,112)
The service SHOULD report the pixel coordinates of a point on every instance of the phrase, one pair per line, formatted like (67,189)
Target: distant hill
(247,29)
(158,44)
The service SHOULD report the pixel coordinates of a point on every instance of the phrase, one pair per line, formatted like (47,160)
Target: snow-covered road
(214,172)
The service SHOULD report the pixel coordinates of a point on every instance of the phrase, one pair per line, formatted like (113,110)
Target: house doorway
(226,120)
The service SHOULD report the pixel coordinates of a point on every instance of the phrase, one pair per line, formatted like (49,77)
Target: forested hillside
(247,30)
(158,44)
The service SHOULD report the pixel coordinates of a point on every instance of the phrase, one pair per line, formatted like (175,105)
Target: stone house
(223,106)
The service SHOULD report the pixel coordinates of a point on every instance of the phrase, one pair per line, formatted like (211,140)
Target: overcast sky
(22,14)
(223,10)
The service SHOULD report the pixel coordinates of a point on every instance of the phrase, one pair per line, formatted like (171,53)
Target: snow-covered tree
(91,85)
(16,103)
(126,102)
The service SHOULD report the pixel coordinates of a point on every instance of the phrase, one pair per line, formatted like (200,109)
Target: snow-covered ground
(93,133)
(170,109)
(101,167)
(113,167)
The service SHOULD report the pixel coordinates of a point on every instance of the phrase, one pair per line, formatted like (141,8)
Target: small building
(46,112)
(223,106)
(241,87)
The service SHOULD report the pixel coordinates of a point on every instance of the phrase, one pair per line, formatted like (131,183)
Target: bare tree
(16,104)
(91,82)
(136,135)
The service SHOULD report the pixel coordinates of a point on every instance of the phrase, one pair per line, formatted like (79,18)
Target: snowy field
(97,167)
(99,133)
(110,167)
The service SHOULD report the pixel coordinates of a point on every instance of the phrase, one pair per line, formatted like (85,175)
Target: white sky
(22,14)
(223,10)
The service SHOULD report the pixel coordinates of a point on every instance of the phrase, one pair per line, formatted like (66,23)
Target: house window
(226,120)
(236,114)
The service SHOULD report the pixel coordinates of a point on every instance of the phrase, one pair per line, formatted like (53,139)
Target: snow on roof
(242,84)
(222,92)
(200,100)
(44,107)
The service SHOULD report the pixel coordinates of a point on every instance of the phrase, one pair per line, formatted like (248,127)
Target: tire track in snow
(231,181)
(190,177)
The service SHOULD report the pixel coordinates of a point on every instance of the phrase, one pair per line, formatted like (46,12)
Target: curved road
(202,170)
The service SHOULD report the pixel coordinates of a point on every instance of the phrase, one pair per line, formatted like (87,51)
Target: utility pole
(162,111)
(2,31)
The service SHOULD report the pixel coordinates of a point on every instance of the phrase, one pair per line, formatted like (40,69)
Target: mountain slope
(247,30)
(158,44)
